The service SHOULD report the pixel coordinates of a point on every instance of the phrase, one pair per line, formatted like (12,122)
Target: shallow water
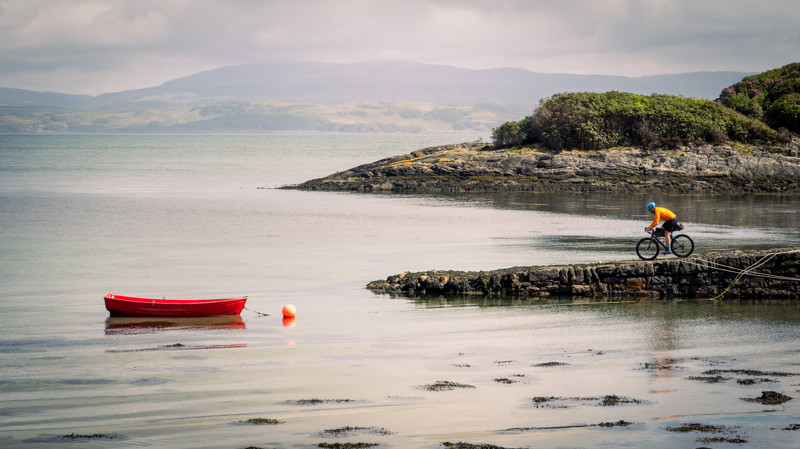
(197,216)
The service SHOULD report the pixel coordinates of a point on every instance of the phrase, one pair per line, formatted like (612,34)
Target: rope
(259,313)
(747,271)
(729,269)
(761,262)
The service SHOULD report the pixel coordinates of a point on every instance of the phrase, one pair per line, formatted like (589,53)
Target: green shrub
(785,112)
(756,96)
(592,121)
(745,104)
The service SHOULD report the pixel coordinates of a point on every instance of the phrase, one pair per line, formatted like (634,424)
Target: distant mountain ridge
(386,97)
(330,83)
(22,97)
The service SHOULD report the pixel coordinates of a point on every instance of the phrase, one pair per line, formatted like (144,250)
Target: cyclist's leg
(668,227)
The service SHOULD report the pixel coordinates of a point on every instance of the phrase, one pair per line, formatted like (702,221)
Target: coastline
(478,167)
(758,274)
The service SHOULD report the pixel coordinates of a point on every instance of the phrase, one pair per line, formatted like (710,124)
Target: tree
(509,134)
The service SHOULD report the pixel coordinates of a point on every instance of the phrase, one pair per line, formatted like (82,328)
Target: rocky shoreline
(758,274)
(478,167)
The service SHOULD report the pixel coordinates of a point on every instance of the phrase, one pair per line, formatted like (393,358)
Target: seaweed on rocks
(716,376)
(461,445)
(735,437)
(620,423)
(665,365)
(709,379)
(613,400)
(759,380)
(545,401)
(697,427)
(347,445)
(733,440)
(261,421)
(550,364)
(308,402)
(349,430)
(606,424)
(504,362)
(445,385)
(610,400)
(504,380)
(749,372)
(94,436)
(770,398)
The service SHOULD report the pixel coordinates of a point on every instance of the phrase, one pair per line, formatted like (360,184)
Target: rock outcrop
(478,167)
(750,274)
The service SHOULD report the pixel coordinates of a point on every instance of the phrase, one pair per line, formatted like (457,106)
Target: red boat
(129,306)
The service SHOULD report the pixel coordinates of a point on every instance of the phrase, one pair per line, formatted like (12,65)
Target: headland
(480,167)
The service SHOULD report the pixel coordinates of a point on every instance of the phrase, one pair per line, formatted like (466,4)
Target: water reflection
(147,325)
(772,311)
(666,311)
(751,210)
(664,343)
(430,302)
(179,347)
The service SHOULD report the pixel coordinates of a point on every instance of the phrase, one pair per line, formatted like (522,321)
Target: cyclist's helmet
(651,206)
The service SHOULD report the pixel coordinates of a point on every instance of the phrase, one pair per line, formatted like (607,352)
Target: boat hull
(119,305)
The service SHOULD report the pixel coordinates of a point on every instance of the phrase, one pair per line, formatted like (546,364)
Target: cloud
(95,46)
(31,25)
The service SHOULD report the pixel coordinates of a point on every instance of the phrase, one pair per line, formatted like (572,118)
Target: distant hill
(325,83)
(22,97)
(328,83)
(366,97)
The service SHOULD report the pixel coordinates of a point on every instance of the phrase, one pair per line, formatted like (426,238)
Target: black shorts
(670,225)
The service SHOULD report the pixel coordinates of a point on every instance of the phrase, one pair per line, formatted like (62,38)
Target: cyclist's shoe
(668,251)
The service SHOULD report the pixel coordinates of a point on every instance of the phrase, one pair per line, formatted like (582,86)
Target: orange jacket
(661,213)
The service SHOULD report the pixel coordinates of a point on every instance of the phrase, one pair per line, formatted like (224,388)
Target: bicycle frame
(657,239)
(682,246)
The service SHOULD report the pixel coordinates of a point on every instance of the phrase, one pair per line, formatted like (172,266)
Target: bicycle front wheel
(647,249)
(682,245)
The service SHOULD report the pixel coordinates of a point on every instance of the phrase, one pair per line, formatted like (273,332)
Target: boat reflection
(146,325)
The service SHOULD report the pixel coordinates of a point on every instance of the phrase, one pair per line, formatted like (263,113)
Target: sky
(100,46)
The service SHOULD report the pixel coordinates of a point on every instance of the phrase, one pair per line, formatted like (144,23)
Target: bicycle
(649,247)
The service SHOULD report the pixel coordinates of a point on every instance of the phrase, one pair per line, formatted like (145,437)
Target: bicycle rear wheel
(647,249)
(682,245)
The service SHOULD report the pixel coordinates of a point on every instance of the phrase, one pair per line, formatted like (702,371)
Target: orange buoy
(289,311)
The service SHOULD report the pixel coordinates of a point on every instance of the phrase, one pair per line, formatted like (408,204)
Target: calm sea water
(189,216)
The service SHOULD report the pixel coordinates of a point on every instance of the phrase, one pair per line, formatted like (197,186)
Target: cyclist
(670,222)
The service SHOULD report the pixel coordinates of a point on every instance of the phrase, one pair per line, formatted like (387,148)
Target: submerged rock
(770,398)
